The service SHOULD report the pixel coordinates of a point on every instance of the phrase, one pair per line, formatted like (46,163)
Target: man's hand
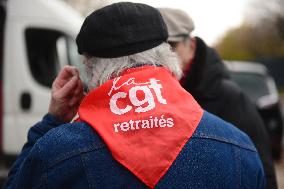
(66,94)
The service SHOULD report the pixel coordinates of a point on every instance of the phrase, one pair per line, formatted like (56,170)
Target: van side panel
(2,23)
(25,98)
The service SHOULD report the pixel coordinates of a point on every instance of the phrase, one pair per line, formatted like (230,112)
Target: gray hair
(100,70)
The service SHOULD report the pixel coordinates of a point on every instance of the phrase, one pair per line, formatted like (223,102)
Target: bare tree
(263,13)
(261,34)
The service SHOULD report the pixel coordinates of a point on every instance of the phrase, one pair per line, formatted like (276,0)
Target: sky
(212,18)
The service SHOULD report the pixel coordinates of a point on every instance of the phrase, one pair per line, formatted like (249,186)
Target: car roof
(247,67)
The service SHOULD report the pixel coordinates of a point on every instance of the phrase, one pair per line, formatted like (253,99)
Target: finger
(78,90)
(71,70)
(73,102)
(79,87)
(77,94)
(64,76)
(76,100)
(67,72)
(68,88)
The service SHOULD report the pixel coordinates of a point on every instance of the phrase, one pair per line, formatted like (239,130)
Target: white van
(37,38)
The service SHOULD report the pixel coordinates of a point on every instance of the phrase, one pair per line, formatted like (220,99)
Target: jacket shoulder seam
(225,140)
(72,154)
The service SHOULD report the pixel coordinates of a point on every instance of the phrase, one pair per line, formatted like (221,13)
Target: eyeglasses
(183,40)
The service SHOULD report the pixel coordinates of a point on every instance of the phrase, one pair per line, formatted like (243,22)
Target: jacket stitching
(73,154)
(224,140)
(85,171)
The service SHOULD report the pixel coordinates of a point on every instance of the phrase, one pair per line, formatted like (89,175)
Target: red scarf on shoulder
(145,118)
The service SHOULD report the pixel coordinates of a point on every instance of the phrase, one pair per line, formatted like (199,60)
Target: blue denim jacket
(218,155)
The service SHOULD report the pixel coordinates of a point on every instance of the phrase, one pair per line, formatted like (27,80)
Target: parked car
(256,82)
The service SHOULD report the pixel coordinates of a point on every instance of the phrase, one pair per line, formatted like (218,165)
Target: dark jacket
(218,155)
(209,82)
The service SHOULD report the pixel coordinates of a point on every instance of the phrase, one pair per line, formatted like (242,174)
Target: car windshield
(254,85)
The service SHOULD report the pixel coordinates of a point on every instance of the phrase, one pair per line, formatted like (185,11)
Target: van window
(75,59)
(42,54)
(49,50)
(2,23)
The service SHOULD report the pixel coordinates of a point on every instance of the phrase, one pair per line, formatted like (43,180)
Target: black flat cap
(121,29)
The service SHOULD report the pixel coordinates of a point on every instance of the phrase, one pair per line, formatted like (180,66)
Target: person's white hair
(100,70)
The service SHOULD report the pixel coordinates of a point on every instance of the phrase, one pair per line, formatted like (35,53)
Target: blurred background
(248,35)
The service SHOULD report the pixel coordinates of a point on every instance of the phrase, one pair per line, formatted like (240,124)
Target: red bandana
(145,118)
